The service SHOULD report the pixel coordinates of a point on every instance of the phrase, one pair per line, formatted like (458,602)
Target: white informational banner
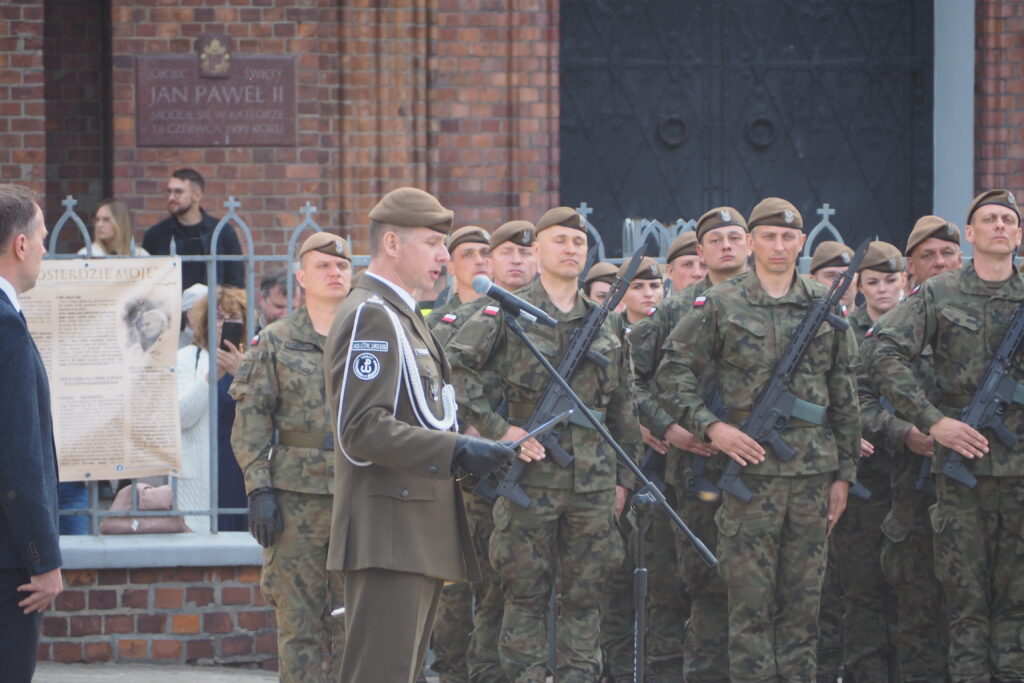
(107,330)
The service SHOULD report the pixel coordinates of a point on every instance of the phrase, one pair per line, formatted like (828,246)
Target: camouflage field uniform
(570,526)
(447,307)
(772,549)
(282,439)
(830,621)
(868,600)
(908,555)
(979,532)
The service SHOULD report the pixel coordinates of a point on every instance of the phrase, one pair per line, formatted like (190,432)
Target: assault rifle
(993,396)
(776,404)
(553,400)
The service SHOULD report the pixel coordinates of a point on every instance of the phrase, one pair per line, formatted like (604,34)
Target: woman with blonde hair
(112,231)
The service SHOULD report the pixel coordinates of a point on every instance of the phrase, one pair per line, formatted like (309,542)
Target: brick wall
(999,95)
(22,121)
(211,615)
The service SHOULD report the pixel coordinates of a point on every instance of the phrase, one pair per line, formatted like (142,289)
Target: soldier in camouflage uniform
(598,281)
(908,556)
(282,440)
(570,526)
(685,266)
(723,247)
(773,548)
(470,257)
(978,542)
(514,265)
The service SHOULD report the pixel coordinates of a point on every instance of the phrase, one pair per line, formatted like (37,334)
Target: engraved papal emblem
(214,59)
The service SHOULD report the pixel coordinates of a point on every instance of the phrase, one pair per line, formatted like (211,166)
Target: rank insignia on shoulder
(700,301)
(491,310)
(915,290)
(254,341)
(449,318)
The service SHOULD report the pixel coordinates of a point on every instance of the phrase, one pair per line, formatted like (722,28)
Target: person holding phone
(194,402)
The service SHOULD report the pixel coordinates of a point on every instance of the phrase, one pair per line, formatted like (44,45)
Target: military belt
(518,413)
(324,442)
(961,401)
(737,417)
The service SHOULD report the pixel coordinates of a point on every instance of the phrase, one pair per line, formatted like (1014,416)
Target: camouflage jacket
(741,332)
(450,321)
(279,391)
(958,314)
(878,467)
(485,345)
(447,307)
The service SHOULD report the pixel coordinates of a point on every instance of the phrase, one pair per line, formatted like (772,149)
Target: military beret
(719,217)
(561,215)
(517,232)
(326,243)
(1000,197)
(467,233)
(927,227)
(649,269)
(601,272)
(411,207)
(830,254)
(776,212)
(683,245)
(883,257)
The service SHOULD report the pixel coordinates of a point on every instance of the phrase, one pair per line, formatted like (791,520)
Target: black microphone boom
(510,303)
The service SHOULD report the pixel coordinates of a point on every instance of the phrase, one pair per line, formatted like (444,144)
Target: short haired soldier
(282,440)
(598,281)
(964,317)
(828,261)
(932,248)
(772,548)
(685,266)
(470,256)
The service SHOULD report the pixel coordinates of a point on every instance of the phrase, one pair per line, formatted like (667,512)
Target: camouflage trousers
(296,582)
(575,535)
(484,664)
(908,562)
(869,605)
(979,559)
(706,637)
(773,554)
(617,611)
(450,638)
(830,621)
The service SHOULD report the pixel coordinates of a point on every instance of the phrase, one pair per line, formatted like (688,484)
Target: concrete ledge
(225,549)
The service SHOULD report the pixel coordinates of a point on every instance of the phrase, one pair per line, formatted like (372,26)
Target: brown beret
(649,269)
(927,227)
(1000,197)
(326,243)
(719,217)
(830,254)
(560,215)
(517,232)
(683,245)
(411,207)
(776,212)
(601,272)
(883,257)
(467,233)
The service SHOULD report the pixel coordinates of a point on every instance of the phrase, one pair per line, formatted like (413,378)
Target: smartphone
(232,332)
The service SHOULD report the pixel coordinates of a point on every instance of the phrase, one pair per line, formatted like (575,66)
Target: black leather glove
(474,455)
(264,516)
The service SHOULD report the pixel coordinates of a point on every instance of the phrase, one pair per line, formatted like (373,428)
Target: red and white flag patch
(700,301)
(491,310)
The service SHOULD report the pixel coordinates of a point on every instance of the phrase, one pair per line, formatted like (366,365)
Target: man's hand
(654,442)
(960,437)
(837,495)
(621,494)
(474,455)
(867,449)
(42,589)
(919,442)
(686,441)
(265,521)
(734,443)
(530,449)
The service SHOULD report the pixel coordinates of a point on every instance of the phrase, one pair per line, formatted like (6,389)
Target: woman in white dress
(113,229)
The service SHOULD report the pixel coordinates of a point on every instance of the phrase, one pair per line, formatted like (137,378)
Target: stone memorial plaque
(215,99)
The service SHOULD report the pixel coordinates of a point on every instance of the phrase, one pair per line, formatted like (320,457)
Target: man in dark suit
(29,550)
(398,527)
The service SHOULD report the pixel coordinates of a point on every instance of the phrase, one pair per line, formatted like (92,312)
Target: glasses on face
(222,318)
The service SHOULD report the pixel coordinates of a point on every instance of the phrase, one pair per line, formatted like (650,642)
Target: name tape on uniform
(365,345)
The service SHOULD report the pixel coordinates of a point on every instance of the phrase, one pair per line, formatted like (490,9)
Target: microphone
(510,303)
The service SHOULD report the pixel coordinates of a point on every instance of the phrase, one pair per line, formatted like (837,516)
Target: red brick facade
(22,113)
(999,95)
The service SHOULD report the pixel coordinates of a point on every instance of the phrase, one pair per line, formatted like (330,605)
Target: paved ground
(50,672)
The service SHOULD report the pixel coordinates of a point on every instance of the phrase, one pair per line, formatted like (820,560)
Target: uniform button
(432,469)
(405,493)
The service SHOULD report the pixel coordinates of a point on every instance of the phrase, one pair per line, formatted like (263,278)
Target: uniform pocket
(818,358)
(938,518)
(745,342)
(897,557)
(401,490)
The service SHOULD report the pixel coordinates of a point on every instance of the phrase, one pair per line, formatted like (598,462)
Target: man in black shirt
(191,228)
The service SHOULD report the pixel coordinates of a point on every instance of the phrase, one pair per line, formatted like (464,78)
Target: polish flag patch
(254,341)
(870,332)
(491,310)
(449,318)
(700,301)
(915,290)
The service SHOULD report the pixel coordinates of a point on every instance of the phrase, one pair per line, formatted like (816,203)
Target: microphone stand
(642,503)
(648,487)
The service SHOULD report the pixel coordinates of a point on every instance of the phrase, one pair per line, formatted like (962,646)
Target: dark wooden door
(670,107)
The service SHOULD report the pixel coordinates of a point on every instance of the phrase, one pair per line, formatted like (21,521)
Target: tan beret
(1000,197)
(561,215)
(883,257)
(326,243)
(927,227)
(775,212)
(719,217)
(830,254)
(467,233)
(649,269)
(683,245)
(601,272)
(411,207)
(517,232)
